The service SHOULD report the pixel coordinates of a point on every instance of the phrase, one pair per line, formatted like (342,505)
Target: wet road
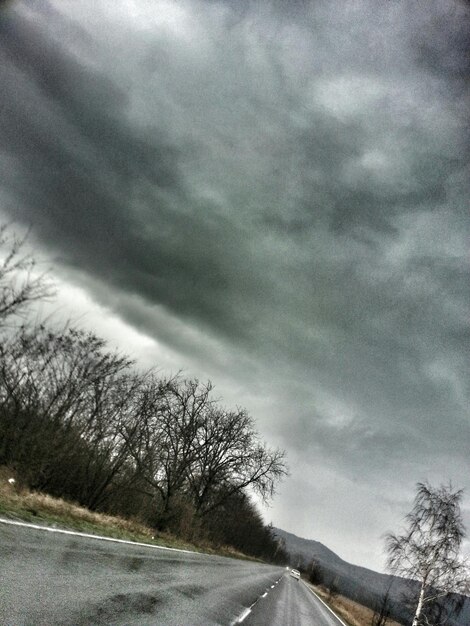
(290,603)
(71,580)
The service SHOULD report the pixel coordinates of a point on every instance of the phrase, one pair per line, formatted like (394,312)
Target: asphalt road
(290,603)
(70,580)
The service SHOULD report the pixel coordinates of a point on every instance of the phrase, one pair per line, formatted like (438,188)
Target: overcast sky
(272,195)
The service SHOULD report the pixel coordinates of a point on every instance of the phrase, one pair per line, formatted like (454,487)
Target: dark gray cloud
(280,196)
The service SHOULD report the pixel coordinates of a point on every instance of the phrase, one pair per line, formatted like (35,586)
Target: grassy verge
(21,504)
(352,613)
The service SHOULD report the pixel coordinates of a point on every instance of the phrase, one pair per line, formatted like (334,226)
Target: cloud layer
(280,197)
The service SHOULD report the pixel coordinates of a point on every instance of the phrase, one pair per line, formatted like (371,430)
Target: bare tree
(62,396)
(383,610)
(238,523)
(162,434)
(428,551)
(230,458)
(333,587)
(316,573)
(20,284)
(187,446)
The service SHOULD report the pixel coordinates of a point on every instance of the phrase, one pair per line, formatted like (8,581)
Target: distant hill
(358,583)
(308,548)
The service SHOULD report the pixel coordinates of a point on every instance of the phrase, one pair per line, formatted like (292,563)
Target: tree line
(80,421)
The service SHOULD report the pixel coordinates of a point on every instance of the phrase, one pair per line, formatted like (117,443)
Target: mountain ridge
(358,583)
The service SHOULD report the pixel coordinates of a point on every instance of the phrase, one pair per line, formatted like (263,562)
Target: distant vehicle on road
(295,574)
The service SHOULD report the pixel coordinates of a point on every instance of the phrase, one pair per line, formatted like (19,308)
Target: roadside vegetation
(351,612)
(21,504)
(429,552)
(431,578)
(81,423)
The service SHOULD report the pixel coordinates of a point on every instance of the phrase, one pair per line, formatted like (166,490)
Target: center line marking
(243,616)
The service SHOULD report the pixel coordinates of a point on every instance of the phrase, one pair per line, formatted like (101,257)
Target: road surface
(290,603)
(52,578)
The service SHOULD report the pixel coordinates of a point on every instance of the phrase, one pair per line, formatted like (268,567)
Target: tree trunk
(419,608)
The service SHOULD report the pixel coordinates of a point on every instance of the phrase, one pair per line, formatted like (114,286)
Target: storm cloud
(280,196)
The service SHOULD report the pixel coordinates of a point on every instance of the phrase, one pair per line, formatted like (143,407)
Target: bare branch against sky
(273,195)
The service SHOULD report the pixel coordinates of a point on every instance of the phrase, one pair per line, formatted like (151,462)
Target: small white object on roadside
(12,481)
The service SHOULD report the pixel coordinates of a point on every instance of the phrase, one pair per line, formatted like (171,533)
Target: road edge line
(76,533)
(325,604)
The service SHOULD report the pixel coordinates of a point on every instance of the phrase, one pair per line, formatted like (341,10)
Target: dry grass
(37,504)
(19,503)
(351,612)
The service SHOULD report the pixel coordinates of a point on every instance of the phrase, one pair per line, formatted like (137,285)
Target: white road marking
(88,536)
(247,611)
(324,603)
(242,617)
